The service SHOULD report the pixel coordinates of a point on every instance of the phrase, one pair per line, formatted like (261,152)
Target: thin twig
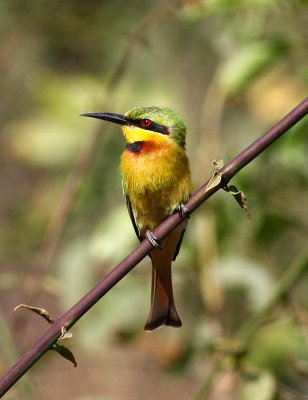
(68,319)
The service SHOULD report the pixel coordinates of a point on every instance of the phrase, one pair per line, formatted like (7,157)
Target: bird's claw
(152,239)
(184,212)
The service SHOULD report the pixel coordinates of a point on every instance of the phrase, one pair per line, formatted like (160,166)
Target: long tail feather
(163,310)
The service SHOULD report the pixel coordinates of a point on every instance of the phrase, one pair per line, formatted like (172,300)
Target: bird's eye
(145,123)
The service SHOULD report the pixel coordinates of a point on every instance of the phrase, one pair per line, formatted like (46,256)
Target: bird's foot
(184,212)
(152,239)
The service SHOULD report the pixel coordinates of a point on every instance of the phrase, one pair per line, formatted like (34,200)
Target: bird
(156,183)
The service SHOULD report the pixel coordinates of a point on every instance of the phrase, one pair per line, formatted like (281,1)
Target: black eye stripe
(158,128)
(152,127)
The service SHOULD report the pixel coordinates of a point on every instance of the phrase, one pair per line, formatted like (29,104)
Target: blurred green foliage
(231,69)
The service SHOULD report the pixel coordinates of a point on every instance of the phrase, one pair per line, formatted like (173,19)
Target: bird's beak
(115,118)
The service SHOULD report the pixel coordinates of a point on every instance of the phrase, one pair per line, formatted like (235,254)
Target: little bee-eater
(156,183)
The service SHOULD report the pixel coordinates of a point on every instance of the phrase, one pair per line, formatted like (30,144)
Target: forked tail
(163,310)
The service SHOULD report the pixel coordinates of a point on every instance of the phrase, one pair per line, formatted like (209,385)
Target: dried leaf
(65,352)
(241,199)
(216,178)
(218,164)
(214,181)
(37,310)
(62,350)
(65,334)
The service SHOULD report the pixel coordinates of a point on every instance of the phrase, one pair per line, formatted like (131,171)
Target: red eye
(145,123)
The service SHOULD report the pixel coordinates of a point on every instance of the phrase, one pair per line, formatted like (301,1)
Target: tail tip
(153,324)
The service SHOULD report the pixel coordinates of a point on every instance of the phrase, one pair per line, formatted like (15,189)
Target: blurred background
(231,69)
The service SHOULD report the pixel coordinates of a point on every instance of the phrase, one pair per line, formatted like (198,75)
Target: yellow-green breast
(156,179)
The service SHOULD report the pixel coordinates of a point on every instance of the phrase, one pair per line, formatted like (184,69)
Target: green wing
(130,212)
(132,217)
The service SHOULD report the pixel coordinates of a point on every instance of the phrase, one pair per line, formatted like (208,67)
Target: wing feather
(132,217)
(178,246)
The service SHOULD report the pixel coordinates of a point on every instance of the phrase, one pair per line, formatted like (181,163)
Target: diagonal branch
(68,319)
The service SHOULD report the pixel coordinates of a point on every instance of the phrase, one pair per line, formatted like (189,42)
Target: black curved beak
(115,118)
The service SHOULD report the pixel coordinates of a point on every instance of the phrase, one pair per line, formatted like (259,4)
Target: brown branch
(68,319)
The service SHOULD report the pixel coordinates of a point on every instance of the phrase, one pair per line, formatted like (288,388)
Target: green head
(155,119)
(163,119)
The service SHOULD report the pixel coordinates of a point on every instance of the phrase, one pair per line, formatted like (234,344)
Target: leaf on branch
(62,350)
(241,200)
(218,164)
(216,177)
(45,314)
(37,310)
(65,334)
(65,352)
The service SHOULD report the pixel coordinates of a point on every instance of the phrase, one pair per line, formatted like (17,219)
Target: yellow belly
(157,182)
